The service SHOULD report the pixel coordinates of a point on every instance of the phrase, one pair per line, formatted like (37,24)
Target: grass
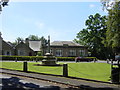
(95,71)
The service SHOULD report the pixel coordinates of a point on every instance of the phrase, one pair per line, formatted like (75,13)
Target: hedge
(21,58)
(38,58)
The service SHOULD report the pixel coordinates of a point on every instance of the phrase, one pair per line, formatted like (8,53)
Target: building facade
(68,49)
(22,49)
(5,47)
(31,48)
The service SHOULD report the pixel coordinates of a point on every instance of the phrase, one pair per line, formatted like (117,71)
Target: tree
(3,3)
(18,40)
(113,27)
(108,4)
(93,35)
(33,37)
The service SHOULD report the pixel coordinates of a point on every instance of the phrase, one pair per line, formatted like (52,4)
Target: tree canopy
(113,26)
(93,35)
(33,37)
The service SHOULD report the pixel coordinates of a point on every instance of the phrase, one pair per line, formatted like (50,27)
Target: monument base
(49,60)
(49,63)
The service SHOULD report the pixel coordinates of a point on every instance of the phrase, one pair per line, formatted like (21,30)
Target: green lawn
(95,71)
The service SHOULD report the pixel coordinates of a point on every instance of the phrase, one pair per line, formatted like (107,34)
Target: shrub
(22,58)
(65,58)
(38,58)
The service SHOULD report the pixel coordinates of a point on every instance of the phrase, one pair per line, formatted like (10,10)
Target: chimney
(1,36)
(27,41)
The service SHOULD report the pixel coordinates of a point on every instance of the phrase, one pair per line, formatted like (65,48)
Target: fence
(63,70)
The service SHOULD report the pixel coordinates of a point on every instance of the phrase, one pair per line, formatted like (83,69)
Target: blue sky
(61,20)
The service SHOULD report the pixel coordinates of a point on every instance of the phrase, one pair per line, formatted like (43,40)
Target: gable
(35,45)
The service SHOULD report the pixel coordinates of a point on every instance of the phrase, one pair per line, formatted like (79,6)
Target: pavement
(13,81)
(82,84)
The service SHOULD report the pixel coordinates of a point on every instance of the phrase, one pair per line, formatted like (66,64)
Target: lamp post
(3,3)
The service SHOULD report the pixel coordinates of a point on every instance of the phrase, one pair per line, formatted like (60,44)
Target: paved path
(75,82)
(13,81)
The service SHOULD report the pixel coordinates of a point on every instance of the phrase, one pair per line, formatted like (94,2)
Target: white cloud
(40,25)
(91,5)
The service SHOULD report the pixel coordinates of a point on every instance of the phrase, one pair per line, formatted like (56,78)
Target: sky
(61,20)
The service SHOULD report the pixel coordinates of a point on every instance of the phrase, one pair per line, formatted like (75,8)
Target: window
(58,52)
(82,52)
(72,53)
(21,52)
(7,52)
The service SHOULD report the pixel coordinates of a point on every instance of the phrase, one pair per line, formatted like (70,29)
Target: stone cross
(48,44)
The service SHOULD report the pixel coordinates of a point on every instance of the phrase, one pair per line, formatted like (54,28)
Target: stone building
(22,49)
(5,47)
(30,48)
(68,49)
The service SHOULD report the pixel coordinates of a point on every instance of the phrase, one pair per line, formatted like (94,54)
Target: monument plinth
(49,60)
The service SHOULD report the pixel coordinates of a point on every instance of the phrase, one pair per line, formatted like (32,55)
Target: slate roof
(9,43)
(35,45)
(61,43)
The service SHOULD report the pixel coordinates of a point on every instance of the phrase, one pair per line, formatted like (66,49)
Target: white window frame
(58,52)
(82,52)
(72,52)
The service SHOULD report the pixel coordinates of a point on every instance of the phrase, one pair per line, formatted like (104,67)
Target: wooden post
(25,66)
(111,63)
(65,70)
(119,69)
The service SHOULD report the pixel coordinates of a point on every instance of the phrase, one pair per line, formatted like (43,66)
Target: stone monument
(49,59)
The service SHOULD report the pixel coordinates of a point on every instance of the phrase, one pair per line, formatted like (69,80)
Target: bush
(21,58)
(38,58)
(65,58)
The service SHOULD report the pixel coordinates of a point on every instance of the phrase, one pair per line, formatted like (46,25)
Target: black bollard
(65,70)
(25,66)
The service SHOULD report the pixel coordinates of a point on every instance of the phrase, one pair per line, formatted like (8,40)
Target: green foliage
(39,53)
(65,58)
(37,58)
(113,27)
(33,37)
(93,35)
(108,4)
(22,58)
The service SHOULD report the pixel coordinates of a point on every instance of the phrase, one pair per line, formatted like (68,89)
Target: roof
(61,43)
(9,43)
(35,45)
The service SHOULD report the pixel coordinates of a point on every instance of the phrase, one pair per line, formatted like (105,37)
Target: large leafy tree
(113,25)
(93,35)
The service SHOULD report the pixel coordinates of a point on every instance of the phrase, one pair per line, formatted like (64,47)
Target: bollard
(118,62)
(16,59)
(25,66)
(119,71)
(111,63)
(65,70)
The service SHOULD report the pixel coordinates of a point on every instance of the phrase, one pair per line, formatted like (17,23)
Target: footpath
(64,80)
